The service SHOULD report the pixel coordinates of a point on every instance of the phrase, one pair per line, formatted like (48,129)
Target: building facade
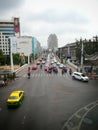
(24,45)
(36,46)
(68,51)
(52,42)
(8,28)
(28,45)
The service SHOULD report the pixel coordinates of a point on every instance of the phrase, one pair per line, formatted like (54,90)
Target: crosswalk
(45,75)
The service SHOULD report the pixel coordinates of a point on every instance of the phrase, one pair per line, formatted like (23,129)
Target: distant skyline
(68,19)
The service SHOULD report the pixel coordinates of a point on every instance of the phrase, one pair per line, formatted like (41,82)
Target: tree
(16,58)
(2,58)
(89,47)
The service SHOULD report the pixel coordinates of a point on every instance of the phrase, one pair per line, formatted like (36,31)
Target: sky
(67,19)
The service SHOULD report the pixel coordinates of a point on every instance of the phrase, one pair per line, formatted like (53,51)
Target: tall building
(8,28)
(52,42)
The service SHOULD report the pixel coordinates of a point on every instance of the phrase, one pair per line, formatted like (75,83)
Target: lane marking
(79,115)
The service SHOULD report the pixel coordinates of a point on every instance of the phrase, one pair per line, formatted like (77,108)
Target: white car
(80,76)
(58,63)
(61,66)
(43,62)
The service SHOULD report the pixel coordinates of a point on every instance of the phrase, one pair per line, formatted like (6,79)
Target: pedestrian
(70,71)
(28,72)
(77,69)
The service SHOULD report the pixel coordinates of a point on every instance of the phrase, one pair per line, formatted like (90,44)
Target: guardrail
(71,64)
(18,70)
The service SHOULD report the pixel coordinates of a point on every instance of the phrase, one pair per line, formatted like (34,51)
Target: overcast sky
(68,19)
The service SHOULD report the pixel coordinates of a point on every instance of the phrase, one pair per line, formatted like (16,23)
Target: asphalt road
(51,102)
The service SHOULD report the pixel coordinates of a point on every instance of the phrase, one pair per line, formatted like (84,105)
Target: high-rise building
(52,42)
(8,28)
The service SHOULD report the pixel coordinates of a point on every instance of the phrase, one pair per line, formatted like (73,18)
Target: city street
(51,102)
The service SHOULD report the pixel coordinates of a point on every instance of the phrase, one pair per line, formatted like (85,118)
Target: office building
(8,28)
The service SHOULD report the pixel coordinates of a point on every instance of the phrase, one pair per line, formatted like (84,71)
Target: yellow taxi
(15,98)
(38,63)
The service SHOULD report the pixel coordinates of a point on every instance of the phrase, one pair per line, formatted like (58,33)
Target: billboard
(17,26)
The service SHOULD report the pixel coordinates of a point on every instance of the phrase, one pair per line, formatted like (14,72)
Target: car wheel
(20,103)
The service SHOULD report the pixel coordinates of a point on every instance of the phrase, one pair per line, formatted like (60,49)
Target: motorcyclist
(62,71)
(40,66)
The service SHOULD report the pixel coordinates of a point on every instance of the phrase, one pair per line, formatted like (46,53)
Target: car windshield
(83,75)
(13,97)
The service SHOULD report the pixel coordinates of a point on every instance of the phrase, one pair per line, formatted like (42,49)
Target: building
(36,46)
(68,51)
(24,45)
(27,45)
(8,28)
(52,42)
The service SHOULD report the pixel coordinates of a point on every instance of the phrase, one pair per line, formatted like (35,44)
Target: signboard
(13,43)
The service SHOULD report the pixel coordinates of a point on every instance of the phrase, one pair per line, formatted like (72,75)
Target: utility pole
(82,57)
(60,53)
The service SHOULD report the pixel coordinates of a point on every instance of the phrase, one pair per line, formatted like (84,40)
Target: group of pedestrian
(64,70)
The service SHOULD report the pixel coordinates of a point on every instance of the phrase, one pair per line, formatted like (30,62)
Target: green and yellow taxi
(38,63)
(15,98)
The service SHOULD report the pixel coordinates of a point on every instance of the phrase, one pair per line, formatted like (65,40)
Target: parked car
(80,76)
(15,98)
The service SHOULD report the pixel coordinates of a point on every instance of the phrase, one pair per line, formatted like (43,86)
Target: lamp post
(12,48)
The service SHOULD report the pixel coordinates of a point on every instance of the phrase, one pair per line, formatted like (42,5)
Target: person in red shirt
(28,72)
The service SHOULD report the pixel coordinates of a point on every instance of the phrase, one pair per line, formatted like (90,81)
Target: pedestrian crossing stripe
(45,75)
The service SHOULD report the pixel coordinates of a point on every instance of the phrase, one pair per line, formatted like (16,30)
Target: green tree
(16,58)
(2,58)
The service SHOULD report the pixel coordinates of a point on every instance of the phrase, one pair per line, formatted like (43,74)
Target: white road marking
(69,125)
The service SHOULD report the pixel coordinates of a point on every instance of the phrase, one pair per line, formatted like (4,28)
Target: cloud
(58,16)
(66,18)
(7,5)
